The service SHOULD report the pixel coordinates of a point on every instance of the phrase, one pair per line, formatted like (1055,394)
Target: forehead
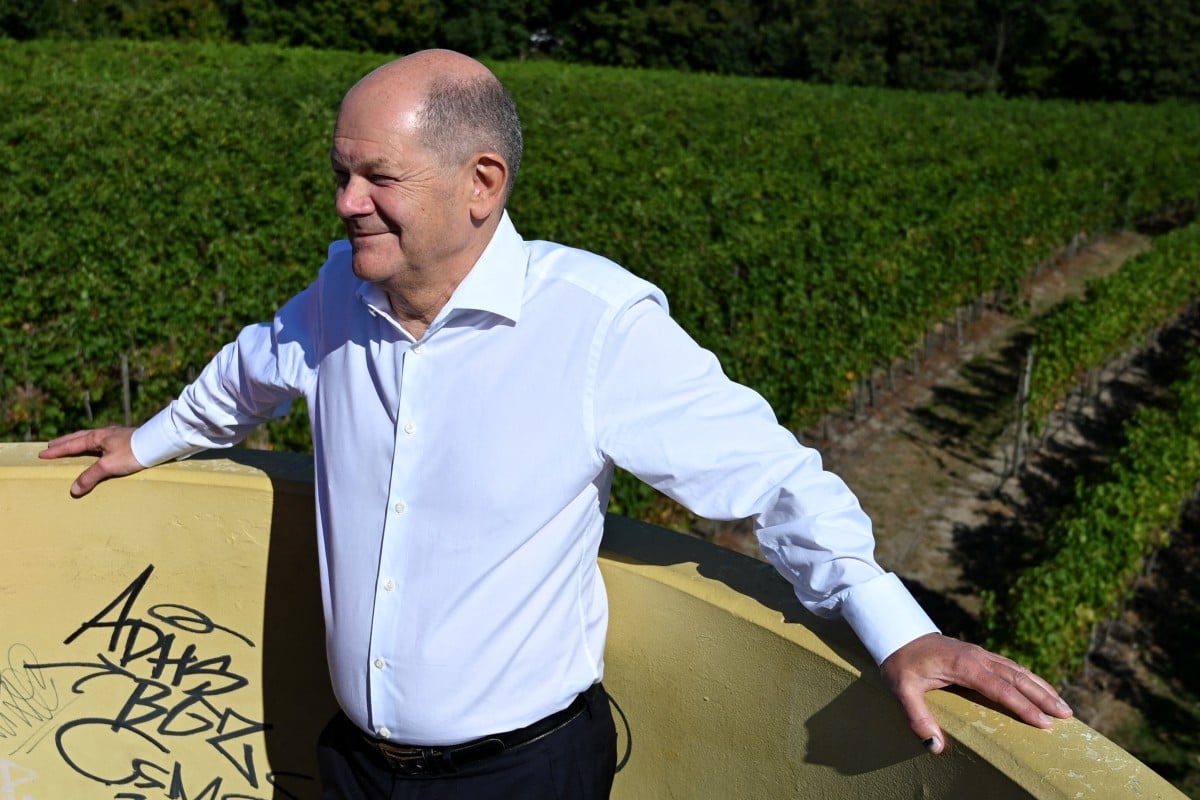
(368,133)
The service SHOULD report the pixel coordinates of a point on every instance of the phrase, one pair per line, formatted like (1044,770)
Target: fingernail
(1063,707)
(933,744)
(1045,719)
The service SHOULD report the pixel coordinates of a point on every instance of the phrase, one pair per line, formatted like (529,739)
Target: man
(470,394)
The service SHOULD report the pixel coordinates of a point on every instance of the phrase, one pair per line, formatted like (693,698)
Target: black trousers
(575,762)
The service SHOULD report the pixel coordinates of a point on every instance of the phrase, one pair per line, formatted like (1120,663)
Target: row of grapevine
(157,197)
(1093,553)
(1079,335)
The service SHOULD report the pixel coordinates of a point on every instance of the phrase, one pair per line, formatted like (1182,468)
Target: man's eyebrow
(372,165)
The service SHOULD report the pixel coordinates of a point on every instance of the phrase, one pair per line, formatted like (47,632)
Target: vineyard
(1082,547)
(158,197)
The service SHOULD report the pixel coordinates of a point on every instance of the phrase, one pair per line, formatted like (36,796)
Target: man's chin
(370,266)
(364,270)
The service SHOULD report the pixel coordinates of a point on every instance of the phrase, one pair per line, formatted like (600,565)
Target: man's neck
(416,308)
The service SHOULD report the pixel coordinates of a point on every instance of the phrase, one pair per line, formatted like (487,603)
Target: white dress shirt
(462,478)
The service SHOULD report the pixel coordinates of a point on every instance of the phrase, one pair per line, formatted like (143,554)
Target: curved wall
(162,638)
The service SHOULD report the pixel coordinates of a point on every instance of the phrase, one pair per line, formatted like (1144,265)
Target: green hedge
(1093,554)
(157,197)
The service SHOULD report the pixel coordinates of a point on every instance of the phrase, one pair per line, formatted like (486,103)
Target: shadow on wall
(831,727)
(297,698)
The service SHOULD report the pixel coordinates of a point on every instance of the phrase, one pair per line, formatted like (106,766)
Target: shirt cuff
(157,441)
(884,615)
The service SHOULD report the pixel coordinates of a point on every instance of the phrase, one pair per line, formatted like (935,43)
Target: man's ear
(489,177)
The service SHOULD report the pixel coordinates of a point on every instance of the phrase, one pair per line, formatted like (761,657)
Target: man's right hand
(114,446)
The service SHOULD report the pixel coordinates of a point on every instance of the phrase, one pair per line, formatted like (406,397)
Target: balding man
(470,395)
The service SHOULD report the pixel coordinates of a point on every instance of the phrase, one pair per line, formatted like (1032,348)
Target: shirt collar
(495,285)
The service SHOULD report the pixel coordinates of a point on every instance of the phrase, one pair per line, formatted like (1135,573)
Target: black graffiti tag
(173,693)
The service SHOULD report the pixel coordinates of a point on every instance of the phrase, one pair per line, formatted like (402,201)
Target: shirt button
(418,349)
(380,663)
(388,585)
(384,733)
(410,427)
(400,507)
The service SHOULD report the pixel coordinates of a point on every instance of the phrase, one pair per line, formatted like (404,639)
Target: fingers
(72,444)
(88,479)
(934,662)
(1052,702)
(910,672)
(922,721)
(1019,690)
(115,449)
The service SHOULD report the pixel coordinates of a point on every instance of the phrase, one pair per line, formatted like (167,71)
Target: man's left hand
(934,661)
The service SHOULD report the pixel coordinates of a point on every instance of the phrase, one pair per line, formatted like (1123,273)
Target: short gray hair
(462,117)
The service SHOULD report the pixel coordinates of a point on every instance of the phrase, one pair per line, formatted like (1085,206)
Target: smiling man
(470,395)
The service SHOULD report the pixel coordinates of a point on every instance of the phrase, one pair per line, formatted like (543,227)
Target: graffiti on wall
(144,679)
(28,699)
(12,775)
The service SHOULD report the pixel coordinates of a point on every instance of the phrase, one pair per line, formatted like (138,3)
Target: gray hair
(462,117)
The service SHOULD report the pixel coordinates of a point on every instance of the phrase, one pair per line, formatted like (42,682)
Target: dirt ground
(932,461)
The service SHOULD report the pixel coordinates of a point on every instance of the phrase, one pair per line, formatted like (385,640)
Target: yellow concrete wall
(732,690)
(149,631)
(162,639)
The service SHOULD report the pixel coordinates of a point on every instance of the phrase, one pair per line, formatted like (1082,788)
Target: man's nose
(353,198)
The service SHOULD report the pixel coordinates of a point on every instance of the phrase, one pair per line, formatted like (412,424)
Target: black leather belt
(418,760)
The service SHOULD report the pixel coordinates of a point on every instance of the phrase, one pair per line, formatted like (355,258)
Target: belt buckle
(407,761)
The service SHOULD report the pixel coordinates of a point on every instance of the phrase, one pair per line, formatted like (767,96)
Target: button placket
(389,600)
